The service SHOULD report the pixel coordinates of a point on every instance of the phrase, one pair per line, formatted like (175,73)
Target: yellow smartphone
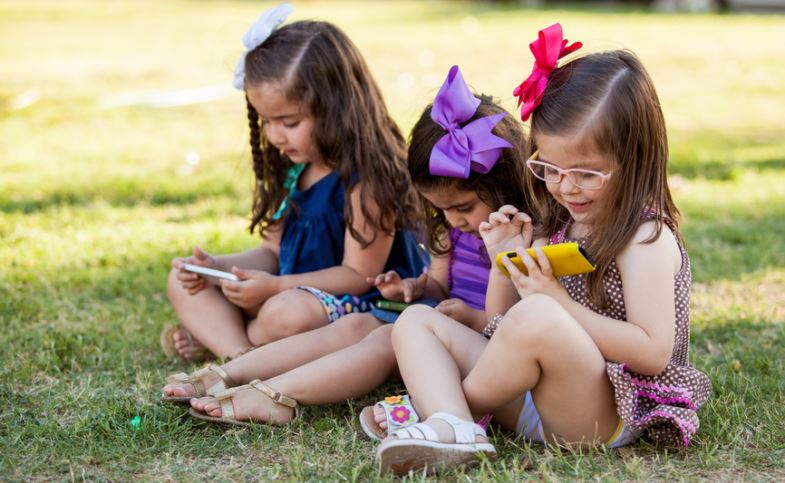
(566,259)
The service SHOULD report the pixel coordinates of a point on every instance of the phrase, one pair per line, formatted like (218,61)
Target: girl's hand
(253,289)
(540,278)
(458,310)
(193,282)
(506,229)
(392,287)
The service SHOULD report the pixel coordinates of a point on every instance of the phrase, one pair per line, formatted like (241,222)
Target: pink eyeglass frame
(565,172)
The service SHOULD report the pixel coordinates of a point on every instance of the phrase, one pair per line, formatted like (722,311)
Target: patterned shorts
(336,306)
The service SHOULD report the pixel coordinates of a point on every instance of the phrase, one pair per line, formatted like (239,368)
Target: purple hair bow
(472,147)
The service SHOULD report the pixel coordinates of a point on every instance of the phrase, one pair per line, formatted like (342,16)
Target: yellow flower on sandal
(393,399)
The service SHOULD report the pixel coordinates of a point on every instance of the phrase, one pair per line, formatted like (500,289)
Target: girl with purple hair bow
(465,159)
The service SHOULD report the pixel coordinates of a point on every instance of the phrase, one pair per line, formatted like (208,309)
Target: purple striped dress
(469,269)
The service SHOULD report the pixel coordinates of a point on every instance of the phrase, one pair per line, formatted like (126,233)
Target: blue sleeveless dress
(313,239)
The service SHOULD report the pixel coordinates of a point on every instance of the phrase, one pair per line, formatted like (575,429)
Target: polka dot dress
(665,406)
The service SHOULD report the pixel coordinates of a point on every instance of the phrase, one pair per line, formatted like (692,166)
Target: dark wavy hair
(322,69)
(504,184)
(607,100)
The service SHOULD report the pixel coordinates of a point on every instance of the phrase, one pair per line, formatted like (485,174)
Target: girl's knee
(536,318)
(412,320)
(287,313)
(380,336)
(356,326)
(174,289)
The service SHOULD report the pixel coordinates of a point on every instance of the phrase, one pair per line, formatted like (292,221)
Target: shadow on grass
(121,192)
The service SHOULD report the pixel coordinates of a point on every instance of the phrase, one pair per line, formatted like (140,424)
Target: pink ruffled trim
(680,424)
(668,400)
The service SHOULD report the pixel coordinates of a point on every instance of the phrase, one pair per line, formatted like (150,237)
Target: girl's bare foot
(187,389)
(379,416)
(187,346)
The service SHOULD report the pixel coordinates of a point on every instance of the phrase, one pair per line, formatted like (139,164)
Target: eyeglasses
(582,178)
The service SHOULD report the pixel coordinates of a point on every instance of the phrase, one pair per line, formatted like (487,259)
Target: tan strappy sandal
(227,406)
(167,345)
(195,379)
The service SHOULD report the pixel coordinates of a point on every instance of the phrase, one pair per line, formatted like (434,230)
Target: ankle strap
(222,374)
(465,431)
(273,394)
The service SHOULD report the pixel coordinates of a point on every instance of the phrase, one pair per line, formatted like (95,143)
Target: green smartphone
(390,305)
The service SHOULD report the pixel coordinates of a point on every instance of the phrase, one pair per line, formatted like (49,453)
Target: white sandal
(418,446)
(399,412)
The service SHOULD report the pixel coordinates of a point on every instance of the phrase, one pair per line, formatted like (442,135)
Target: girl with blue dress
(333,201)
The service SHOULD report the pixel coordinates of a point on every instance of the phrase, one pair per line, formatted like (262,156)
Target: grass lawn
(100,187)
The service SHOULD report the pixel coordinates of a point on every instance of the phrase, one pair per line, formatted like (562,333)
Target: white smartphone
(209,272)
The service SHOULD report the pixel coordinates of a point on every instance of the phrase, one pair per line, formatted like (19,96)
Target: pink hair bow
(549,47)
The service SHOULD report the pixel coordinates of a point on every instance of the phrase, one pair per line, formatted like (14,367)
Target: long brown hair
(503,184)
(609,101)
(321,68)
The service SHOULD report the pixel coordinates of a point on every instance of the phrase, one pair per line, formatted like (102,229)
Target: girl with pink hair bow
(599,358)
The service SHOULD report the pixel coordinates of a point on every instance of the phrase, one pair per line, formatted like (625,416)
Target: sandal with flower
(195,351)
(399,413)
(419,446)
(225,401)
(198,381)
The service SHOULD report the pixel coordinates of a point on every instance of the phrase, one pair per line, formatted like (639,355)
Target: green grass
(95,201)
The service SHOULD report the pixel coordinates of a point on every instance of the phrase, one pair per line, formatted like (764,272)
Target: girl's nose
(453,219)
(567,186)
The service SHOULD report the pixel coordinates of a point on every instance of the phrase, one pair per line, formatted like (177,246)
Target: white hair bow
(258,33)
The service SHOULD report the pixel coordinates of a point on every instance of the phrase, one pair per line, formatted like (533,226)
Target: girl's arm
(647,270)
(264,257)
(358,264)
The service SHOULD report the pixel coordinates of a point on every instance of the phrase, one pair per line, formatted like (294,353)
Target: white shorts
(530,426)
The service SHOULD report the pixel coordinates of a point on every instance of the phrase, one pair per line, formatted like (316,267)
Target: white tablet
(209,272)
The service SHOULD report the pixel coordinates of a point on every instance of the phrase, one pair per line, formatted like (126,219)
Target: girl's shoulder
(646,246)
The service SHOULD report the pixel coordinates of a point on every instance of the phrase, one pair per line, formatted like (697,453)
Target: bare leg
(434,354)
(341,375)
(345,374)
(210,317)
(543,349)
(286,354)
(293,311)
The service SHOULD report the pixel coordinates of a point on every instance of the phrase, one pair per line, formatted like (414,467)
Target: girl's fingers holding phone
(543,262)
(230,287)
(527,260)
(511,267)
